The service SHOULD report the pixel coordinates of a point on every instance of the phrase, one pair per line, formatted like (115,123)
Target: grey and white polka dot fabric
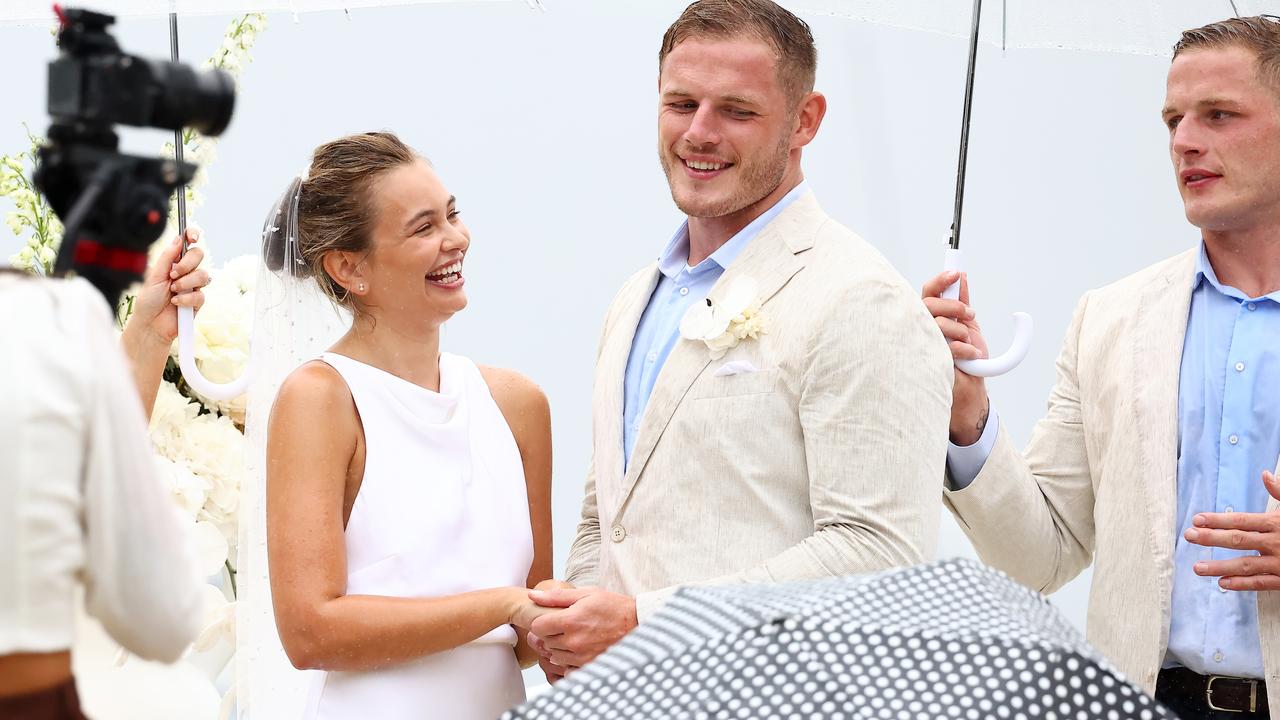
(952,639)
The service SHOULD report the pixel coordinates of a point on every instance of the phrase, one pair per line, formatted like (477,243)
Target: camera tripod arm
(191,374)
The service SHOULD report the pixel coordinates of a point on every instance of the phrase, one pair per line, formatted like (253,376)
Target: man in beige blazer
(1153,460)
(775,435)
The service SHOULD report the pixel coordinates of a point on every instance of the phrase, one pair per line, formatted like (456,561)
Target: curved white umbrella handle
(191,373)
(1022,327)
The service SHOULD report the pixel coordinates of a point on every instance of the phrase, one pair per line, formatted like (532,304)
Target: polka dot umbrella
(952,639)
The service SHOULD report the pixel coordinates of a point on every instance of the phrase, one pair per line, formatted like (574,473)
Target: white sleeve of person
(140,571)
(964,462)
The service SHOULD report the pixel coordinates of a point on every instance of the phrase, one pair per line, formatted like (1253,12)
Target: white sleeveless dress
(443,509)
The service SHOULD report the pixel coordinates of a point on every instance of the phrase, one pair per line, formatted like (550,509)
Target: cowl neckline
(426,404)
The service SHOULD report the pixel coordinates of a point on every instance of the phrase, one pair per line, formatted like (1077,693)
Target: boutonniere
(722,324)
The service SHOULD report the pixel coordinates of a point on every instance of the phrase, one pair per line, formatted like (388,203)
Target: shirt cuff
(965,462)
(649,603)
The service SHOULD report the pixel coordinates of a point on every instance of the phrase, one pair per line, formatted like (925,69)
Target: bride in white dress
(407,490)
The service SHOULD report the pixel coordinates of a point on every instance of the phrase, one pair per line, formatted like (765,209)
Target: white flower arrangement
(222,331)
(722,325)
(206,456)
(32,212)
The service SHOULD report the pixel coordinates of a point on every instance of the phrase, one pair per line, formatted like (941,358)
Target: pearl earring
(361,287)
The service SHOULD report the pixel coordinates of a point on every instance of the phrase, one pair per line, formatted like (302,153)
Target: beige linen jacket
(823,461)
(1098,480)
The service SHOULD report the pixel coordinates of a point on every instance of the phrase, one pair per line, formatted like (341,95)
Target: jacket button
(618,533)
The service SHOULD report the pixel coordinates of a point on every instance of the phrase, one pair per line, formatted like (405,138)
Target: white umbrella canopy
(16,11)
(1146,27)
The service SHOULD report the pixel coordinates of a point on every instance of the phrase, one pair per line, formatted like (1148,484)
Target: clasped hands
(577,625)
(1259,532)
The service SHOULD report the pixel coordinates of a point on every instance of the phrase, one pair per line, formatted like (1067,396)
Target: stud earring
(360,287)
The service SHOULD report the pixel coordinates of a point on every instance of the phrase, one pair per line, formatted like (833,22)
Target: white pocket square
(735,367)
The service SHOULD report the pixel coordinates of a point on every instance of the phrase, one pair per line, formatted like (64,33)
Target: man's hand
(591,621)
(1242,531)
(555,673)
(956,320)
(553,584)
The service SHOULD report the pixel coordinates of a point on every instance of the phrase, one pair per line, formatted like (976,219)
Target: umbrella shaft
(964,124)
(177,136)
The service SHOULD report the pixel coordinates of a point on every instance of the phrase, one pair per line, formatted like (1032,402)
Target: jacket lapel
(771,259)
(1159,333)
(612,369)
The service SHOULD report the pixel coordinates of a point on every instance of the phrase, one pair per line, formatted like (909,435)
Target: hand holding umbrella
(980,366)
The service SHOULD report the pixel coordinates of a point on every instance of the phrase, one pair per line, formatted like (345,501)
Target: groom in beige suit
(771,399)
(1154,459)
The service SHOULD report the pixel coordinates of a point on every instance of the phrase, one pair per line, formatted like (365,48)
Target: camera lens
(203,100)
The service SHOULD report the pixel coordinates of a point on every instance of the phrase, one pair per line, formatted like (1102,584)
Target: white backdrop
(543,125)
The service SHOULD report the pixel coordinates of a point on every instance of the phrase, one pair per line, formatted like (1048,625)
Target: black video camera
(114,206)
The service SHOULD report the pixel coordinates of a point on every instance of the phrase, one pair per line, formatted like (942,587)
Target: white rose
(211,548)
(223,329)
(219,624)
(215,450)
(241,273)
(170,419)
(721,344)
(702,322)
(189,490)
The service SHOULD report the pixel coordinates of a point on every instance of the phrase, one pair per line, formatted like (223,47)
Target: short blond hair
(788,36)
(1260,34)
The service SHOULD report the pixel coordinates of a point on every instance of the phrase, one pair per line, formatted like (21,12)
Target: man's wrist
(633,616)
(968,430)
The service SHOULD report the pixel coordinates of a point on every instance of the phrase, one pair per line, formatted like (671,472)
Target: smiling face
(1224,139)
(417,244)
(725,126)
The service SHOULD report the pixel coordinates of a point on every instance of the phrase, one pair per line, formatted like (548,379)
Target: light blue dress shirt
(679,287)
(1228,433)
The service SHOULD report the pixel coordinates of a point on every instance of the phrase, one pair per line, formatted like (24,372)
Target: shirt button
(1230,509)
(1252,306)
(684,291)
(618,533)
(652,357)
(1217,657)
(1234,440)
(1240,367)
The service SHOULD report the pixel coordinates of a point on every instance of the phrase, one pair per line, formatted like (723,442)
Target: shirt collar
(1204,273)
(675,255)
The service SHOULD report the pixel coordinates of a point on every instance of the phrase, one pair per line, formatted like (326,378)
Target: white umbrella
(15,11)
(1145,27)
(1149,27)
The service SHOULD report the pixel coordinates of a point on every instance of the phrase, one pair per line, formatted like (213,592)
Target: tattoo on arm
(982,421)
